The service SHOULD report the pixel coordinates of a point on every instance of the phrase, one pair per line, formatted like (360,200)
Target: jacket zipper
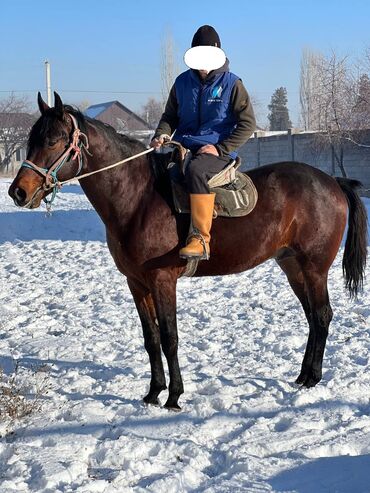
(200,106)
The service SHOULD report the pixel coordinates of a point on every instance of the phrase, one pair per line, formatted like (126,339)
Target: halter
(79,141)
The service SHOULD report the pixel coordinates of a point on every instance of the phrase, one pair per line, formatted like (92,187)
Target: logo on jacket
(216,92)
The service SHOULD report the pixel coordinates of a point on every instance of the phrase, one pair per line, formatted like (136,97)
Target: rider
(212,113)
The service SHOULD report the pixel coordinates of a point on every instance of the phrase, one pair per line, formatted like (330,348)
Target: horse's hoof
(176,409)
(308,379)
(172,406)
(310,382)
(300,379)
(151,401)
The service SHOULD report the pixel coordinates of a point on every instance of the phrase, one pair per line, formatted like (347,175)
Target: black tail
(355,250)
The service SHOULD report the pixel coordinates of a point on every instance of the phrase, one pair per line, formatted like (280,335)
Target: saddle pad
(235,199)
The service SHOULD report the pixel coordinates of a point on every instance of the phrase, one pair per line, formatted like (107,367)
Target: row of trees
(334,100)
(334,94)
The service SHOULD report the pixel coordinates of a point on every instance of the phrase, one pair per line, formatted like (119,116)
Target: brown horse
(299,220)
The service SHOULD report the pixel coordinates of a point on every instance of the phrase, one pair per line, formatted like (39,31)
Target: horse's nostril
(20,196)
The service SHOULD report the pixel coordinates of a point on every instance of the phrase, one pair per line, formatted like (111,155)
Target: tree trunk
(339,158)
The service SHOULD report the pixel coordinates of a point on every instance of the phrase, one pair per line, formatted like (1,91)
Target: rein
(79,142)
(60,183)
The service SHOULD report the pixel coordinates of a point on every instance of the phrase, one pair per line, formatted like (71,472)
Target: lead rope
(56,185)
(167,140)
(60,183)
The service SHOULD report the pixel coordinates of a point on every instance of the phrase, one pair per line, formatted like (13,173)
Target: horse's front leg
(146,311)
(163,288)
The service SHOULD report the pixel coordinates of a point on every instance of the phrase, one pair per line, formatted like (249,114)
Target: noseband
(79,141)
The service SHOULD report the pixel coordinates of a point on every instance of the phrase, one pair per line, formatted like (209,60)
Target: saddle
(235,192)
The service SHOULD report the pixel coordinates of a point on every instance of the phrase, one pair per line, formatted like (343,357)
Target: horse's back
(298,189)
(298,207)
(296,175)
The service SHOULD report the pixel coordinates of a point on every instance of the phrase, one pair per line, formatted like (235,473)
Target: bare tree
(359,93)
(305,89)
(309,89)
(258,108)
(15,124)
(366,60)
(334,105)
(169,66)
(152,112)
(334,101)
(83,105)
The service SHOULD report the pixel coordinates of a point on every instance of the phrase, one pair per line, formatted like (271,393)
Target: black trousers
(200,169)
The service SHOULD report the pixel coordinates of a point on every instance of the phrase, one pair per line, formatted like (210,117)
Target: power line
(87,91)
(123,92)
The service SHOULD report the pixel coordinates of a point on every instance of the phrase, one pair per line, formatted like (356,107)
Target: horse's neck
(117,193)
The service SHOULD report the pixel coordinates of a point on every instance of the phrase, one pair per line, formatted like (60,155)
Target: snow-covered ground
(245,426)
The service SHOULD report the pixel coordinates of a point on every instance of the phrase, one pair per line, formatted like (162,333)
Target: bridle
(78,142)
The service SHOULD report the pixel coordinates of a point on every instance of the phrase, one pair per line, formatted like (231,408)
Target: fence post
(258,149)
(332,160)
(291,143)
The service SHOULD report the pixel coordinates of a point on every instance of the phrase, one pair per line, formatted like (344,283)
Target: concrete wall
(16,160)
(266,148)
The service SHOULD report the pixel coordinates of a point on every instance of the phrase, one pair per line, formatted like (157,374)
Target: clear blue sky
(112,46)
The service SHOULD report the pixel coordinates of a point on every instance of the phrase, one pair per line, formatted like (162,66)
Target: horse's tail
(355,250)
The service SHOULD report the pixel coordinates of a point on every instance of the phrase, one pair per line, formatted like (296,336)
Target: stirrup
(196,234)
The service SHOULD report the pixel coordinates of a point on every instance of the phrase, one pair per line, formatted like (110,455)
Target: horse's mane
(49,123)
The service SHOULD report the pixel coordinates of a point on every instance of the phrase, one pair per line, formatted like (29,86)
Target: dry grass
(22,392)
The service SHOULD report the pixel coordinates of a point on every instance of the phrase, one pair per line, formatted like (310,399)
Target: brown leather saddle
(235,192)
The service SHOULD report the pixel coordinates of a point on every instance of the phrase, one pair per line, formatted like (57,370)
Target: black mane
(51,124)
(128,145)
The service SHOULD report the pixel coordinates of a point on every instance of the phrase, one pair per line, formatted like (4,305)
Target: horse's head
(53,154)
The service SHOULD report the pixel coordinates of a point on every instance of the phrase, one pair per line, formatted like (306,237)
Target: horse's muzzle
(18,195)
(22,198)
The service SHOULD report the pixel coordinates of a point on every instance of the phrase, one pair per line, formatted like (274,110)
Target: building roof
(95,110)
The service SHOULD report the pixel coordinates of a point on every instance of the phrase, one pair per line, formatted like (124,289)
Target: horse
(299,220)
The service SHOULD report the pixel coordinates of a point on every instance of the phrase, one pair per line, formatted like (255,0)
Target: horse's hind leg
(146,311)
(311,290)
(293,271)
(321,316)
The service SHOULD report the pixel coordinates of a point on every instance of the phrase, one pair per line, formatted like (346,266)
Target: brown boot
(201,206)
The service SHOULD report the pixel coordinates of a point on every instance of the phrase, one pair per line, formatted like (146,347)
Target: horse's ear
(42,105)
(58,105)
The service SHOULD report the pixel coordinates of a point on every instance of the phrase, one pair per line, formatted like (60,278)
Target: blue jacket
(204,109)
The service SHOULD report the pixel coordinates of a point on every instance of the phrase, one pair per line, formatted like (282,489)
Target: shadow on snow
(343,474)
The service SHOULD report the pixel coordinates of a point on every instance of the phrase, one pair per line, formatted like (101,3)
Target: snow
(245,426)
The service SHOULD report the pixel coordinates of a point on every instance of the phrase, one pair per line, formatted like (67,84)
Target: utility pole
(48,83)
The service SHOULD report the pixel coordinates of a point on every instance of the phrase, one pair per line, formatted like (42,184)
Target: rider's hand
(157,142)
(208,149)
